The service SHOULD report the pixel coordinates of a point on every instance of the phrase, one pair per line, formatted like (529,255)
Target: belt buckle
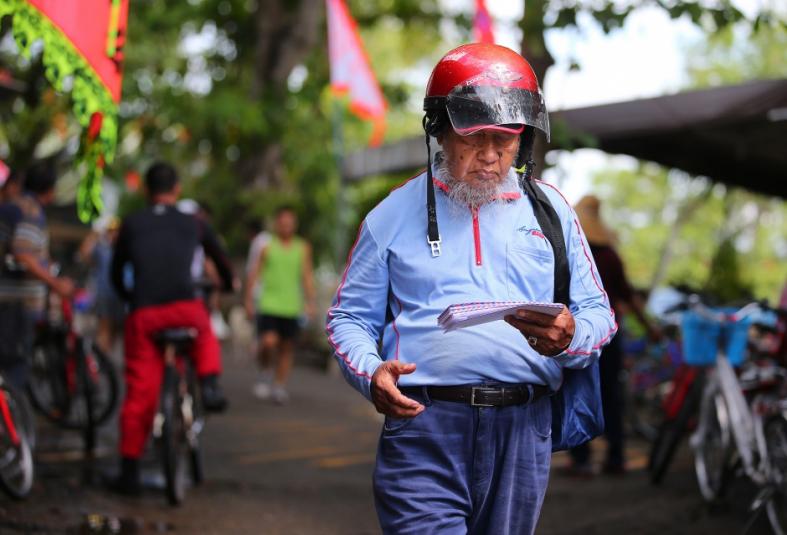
(473,402)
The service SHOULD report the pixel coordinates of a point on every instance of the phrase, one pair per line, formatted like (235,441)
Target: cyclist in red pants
(156,248)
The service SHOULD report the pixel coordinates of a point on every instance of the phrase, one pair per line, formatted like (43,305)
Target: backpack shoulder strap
(550,225)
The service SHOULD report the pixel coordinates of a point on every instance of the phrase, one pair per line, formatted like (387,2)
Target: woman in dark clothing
(610,267)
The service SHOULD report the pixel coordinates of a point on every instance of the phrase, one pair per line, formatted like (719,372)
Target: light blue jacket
(495,254)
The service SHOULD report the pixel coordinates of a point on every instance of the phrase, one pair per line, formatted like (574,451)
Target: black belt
(482,396)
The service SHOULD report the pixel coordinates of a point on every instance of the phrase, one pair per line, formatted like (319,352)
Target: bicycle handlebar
(695,304)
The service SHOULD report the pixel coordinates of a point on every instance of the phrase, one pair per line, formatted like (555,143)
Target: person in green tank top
(284,270)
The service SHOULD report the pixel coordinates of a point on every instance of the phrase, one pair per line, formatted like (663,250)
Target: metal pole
(337,120)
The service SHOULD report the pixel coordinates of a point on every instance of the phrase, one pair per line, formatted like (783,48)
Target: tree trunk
(685,212)
(534,49)
(287,30)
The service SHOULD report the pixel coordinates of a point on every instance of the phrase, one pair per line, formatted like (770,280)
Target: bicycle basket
(701,338)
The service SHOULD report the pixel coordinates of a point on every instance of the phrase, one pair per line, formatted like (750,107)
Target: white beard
(465,195)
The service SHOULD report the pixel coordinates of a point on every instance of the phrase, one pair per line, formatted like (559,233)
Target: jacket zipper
(476,237)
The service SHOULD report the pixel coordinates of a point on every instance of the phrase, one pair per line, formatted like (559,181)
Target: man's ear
(177,189)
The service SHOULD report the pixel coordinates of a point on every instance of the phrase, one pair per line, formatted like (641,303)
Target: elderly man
(467,438)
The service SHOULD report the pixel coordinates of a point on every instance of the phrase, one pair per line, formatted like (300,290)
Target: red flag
(97,29)
(82,42)
(5,172)
(482,24)
(350,69)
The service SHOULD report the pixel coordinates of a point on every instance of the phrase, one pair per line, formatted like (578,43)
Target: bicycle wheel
(194,428)
(16,459)
(47,384)
(671,433)
(647,383)
(88,394)
(711,446)
(776,441)
(97,384)
(645,412)
(174,446)
(27,420)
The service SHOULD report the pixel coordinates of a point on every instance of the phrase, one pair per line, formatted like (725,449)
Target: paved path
(305,468)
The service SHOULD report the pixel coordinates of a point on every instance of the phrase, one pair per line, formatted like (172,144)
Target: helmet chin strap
(524,158)
(432,232)
(525,172)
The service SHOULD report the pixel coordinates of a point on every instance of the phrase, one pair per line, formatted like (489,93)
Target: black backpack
(577,414)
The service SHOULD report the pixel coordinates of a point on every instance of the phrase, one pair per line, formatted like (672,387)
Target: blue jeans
(457,469)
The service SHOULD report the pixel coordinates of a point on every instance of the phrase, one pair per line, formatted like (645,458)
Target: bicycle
(680,406)
(649,369)
(181,418)
(16,458)
(681,400)
(742,425)
(72,382)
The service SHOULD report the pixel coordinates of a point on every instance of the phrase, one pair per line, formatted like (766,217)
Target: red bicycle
(16,433)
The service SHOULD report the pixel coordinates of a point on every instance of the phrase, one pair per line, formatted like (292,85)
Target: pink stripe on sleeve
(331,340)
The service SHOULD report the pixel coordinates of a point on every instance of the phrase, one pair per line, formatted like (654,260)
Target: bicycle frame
(13,434)
(191,422)
(742,422)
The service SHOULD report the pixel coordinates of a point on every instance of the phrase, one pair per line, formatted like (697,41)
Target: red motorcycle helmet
(483,85)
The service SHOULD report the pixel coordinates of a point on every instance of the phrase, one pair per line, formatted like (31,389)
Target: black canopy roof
(733,134)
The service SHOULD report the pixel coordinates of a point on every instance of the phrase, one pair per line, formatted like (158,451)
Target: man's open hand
(386,396)
(548,335)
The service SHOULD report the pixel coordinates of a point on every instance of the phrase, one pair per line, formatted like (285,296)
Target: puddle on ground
(98,524)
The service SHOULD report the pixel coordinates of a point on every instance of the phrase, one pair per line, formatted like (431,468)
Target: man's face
(482,159)
(12,190)
(286,224)
(46,198)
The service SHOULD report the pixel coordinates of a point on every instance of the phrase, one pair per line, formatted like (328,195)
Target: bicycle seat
(177,335)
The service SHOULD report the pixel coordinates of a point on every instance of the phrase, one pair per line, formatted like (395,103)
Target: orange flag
(350,69)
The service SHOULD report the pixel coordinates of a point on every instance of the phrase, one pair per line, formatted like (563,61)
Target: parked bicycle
(680,407)
(680,402)
(180,420)
(648,372)
(16,435)
(72,382)
(742,425)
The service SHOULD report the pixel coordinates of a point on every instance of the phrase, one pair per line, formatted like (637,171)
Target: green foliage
(643,204)
(737,55)
(725,281)
(730,241)
(711,16)
(210,131)
(191,95)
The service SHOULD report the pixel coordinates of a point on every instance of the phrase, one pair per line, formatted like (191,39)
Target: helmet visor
(473,108)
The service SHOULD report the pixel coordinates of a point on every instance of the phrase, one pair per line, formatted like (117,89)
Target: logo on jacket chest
(532,232)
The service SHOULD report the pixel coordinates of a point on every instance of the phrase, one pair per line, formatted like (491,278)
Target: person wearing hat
(467,438)
(602,242)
